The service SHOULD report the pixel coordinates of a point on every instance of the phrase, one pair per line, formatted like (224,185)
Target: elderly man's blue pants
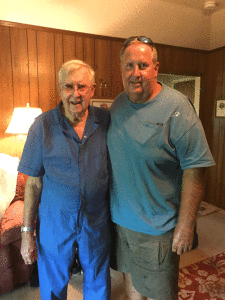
(56,241)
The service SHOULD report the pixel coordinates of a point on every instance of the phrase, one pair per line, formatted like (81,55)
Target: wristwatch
(26,229)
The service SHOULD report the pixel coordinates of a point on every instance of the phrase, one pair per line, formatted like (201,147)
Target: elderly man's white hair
(72,65)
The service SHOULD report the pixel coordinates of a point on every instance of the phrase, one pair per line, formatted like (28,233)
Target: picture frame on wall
(220,108)
(102,103)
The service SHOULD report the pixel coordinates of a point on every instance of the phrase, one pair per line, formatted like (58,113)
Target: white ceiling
(197,4)
(180,23)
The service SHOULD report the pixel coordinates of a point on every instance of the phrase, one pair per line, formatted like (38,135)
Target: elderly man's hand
(29,248)
(183,239)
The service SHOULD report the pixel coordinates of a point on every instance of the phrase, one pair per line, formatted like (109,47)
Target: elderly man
(158,154)
(65,156)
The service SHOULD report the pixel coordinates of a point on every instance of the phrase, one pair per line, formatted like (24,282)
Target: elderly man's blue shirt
(75,174)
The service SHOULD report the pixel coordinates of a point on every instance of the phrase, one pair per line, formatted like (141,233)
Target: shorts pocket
(167,258)
(146,255)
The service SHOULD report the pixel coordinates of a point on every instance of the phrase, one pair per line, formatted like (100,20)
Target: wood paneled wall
(31,56)
(181,61)
(215,190)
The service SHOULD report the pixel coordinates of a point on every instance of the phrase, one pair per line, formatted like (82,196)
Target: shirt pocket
(148,133)
(58,168)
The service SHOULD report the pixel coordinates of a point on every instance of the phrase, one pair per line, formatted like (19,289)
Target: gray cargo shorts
(154,268)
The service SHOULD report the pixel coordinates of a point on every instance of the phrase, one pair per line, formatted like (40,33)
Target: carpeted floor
(204,280)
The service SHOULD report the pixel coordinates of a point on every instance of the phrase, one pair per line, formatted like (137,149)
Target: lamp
(22,119)
(210,5)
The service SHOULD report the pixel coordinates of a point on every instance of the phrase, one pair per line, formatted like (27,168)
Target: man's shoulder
(101,115)
(172,94)
(118,102)
(175,99)
(45,120)
(100,112)
(120,97)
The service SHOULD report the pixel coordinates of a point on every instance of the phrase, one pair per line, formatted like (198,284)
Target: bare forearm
(191,196)
(31,203)
(31,200)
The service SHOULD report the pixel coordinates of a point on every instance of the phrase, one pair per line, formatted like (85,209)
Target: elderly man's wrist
(27,228)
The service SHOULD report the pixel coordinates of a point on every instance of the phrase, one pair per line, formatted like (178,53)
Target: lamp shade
(22,119)
(210,5)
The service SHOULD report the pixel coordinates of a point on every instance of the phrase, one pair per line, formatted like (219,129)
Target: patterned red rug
(204,280)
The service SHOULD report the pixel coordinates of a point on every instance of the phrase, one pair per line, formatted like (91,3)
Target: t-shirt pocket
(146,132)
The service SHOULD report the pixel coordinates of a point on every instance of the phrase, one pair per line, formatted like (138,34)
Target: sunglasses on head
(142,39)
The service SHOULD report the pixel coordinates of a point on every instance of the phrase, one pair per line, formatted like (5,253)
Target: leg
(55,256)
(151,268)
(120,260)
(53,275)
(94,254)
(155,268)
(132,294)
(54,270)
